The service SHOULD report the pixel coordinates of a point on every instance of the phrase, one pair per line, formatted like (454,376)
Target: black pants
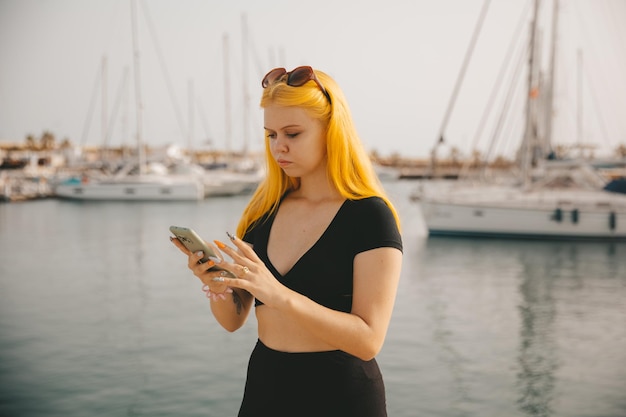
(316,384)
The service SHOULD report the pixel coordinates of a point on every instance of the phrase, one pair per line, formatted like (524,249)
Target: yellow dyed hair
(349,167)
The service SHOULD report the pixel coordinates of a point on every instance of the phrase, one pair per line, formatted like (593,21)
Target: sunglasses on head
(295,78)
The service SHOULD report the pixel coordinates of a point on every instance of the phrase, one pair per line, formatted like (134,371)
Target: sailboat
(136,180)
(131,183)
(552,198)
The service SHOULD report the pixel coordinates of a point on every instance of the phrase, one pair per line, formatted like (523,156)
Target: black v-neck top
(324,273)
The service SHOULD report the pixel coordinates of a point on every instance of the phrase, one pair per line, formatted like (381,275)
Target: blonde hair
(349,167)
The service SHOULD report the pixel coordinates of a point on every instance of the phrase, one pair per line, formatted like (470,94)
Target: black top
(324,272)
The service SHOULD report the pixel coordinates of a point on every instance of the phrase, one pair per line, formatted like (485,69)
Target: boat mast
(190,133)
(125,124)
(530,134)
(227,116)
(579,99)
(164,70)
(547,146)
(246,92)
(122,89)
(104,120)
(138,101)
(468,54)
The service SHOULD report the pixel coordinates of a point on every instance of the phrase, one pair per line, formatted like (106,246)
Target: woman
(320,260)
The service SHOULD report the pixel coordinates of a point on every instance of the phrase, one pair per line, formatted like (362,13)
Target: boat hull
(545,216)
(132,191)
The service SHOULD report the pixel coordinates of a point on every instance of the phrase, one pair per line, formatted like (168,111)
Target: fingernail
(199,253)
(219,244)
(229,290)
(210,263)
(215,259)
(222,296)
(231,237)
(218,279)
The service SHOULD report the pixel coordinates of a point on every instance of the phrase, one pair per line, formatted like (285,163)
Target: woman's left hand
(252,274)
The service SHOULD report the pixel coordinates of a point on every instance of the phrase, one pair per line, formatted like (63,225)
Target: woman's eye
(291,135)
(271,135)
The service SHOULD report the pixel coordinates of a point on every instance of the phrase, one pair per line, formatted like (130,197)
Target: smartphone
(195,243)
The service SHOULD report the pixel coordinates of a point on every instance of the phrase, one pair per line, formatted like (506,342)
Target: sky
(63,66)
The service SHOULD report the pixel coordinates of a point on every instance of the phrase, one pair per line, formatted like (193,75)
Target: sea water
(99,316)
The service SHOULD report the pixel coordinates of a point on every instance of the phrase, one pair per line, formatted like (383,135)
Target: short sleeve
(374,225)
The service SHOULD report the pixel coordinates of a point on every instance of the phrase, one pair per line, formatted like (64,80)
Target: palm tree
(30,142)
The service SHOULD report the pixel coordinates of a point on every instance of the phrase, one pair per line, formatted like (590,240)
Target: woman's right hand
(203,270)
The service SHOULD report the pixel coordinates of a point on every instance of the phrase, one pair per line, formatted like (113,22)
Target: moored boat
(549,198)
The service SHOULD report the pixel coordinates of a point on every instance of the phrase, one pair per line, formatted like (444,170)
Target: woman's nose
(280,145)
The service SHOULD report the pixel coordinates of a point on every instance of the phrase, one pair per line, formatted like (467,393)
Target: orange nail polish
(210,263)
(219,244)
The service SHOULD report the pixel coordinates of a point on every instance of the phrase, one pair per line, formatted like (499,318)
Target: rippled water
(99,317)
